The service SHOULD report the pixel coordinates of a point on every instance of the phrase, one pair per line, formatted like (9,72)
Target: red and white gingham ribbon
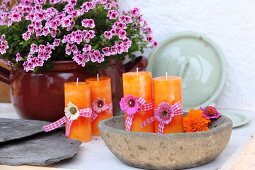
(95,113)
(83,113)
(177,110)
(143,107)
(161,127)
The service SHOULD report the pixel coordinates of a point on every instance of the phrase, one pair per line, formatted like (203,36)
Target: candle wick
(166,75)
(77,81)
(137,71)
(97,77)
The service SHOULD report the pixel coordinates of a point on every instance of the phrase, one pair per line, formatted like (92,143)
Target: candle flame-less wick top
(77,81)
(97,77)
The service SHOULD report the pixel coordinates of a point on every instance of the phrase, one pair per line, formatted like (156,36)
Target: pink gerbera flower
(129,104)
(99,105)
(164,113)
(210,112)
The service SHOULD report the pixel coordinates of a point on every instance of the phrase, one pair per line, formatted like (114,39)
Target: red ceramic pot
(41,96)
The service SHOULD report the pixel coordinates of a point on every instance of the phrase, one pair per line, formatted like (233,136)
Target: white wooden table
(95,155)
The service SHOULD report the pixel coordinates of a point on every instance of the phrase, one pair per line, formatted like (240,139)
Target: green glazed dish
(237,116)
(195,58)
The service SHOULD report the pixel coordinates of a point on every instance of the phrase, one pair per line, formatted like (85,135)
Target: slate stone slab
(40,150)
(11,129)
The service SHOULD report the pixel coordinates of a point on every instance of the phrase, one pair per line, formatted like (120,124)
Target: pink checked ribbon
(83,113)
(140,105)
(174,110)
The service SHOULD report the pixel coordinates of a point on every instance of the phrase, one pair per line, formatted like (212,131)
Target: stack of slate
(22,142)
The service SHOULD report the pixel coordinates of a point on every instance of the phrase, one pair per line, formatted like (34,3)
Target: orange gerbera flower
(194,121)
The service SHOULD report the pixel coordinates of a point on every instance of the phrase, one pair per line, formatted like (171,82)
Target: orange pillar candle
(168,89)
(101,98)
(79,95)
(139,84)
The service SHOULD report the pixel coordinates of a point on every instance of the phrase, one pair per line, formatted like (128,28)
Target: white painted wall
(230,23)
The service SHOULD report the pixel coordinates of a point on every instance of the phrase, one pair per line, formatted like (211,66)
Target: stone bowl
(169,151)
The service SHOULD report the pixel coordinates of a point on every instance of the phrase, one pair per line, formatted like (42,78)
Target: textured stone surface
(171,151)
(230,25)
(11,129)
(40,150)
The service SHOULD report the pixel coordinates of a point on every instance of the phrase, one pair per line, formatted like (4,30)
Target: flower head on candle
(210,112)
(164,113)
(99,105)
(72,111)
(129,104)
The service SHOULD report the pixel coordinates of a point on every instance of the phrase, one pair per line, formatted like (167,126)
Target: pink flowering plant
(34,33)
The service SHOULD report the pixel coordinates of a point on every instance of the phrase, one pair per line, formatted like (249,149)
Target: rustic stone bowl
(171,151)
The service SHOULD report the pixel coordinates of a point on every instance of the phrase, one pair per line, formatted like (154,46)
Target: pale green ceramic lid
(195,58)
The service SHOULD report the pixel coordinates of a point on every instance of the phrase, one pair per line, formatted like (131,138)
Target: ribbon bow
(164,114)
(71,113)
(131,105)
(98,106)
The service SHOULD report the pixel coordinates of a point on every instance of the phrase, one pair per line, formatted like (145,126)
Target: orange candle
(101,97)
(139,84)
(168,89)
(79,95)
